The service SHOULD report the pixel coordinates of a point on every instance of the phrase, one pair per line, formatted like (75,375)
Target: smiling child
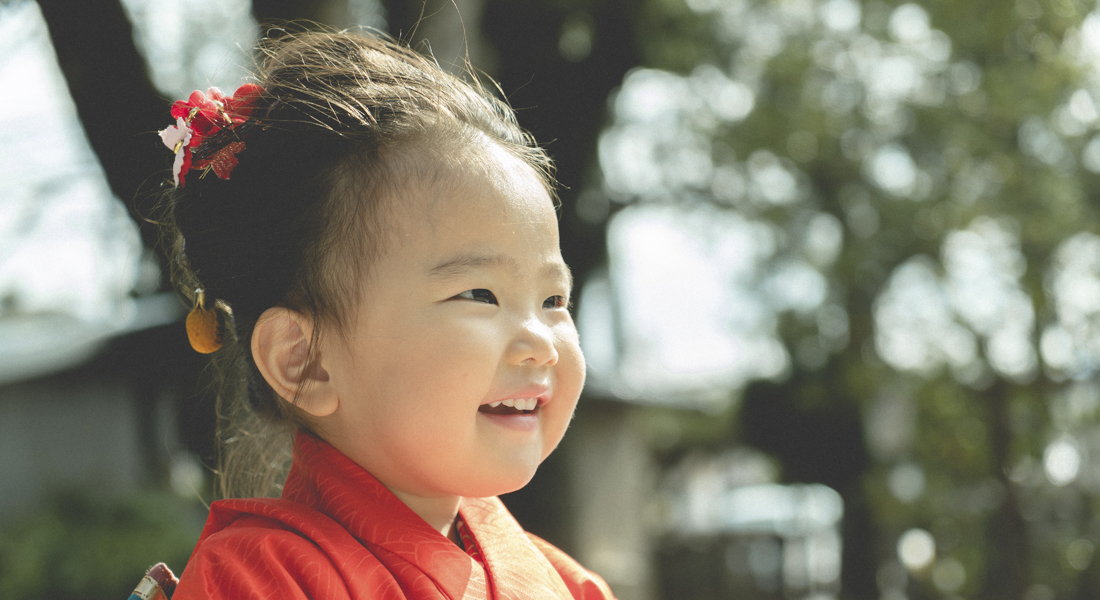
(371,245)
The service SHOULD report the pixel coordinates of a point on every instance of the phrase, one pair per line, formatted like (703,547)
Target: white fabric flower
(172,136)
(177,165)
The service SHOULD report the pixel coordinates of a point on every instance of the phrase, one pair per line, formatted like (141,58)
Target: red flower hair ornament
(199,118)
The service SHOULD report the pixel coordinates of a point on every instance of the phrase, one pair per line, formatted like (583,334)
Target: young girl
(372,248)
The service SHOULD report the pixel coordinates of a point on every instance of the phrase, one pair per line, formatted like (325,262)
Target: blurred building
(88,376)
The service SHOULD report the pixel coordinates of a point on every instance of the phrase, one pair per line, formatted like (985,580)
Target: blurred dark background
(838,273)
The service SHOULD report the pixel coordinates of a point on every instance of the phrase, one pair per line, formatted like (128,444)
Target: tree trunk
(326,13)
(1008,552)
(562,101)
(117,104)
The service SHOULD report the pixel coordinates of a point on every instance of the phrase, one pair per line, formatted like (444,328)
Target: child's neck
(440,513)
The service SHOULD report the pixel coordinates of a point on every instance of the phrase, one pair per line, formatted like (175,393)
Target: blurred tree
(952,147)
(77,545)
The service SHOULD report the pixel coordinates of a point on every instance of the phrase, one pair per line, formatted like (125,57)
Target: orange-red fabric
(338,533)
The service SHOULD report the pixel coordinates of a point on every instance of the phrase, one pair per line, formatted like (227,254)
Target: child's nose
(534,344)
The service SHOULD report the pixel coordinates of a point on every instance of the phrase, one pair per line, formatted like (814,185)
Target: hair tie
(204,326)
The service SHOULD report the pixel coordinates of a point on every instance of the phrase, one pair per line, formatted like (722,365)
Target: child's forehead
(430,182)
(477,210)
(440,157)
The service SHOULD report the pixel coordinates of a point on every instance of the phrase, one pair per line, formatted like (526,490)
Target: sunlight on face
(467,307)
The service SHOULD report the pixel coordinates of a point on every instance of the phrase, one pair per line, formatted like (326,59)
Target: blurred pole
(612,476)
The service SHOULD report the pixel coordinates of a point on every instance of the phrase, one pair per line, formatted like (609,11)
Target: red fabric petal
(243,101)
(248,90)
(208,121)
(196,139)
(197,98)
(180,109)
(202,126)
(223,161)
(186,165)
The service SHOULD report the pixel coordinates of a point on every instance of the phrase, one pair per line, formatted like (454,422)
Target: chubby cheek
(569,375)
(571,365)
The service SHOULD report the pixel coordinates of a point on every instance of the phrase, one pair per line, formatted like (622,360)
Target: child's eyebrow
(471,262)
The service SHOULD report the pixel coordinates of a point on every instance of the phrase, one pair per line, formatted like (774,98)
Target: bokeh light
(916,549)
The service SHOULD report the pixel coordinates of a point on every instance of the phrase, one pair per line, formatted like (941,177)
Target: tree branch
(118,106)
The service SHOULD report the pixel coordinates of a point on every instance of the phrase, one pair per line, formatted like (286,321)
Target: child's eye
(479,295)
(555,302)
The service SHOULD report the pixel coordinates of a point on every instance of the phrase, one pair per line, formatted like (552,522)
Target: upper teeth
(518,403)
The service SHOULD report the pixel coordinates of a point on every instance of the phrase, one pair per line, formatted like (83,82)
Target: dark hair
(341,122)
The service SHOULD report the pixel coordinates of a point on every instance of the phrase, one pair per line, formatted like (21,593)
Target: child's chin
(504,484)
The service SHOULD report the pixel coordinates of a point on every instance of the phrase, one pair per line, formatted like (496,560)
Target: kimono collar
(322,478)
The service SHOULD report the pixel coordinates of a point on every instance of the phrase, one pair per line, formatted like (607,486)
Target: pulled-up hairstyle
(342,123)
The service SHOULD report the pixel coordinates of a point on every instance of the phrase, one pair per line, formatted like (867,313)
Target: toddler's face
(464,313)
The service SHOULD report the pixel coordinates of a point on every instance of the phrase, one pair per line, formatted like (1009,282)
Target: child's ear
(281,348)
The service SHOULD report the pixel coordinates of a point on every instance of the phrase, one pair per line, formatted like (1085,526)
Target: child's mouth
(516,406)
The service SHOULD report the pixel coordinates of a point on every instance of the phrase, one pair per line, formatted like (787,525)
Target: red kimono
(338,533)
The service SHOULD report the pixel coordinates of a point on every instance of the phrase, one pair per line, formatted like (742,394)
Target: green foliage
(81,546)
(981,143)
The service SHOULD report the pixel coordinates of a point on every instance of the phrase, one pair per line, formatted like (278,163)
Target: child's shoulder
(268,516)
(269,548)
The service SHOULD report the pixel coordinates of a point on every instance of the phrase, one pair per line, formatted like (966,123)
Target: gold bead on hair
(204,326)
